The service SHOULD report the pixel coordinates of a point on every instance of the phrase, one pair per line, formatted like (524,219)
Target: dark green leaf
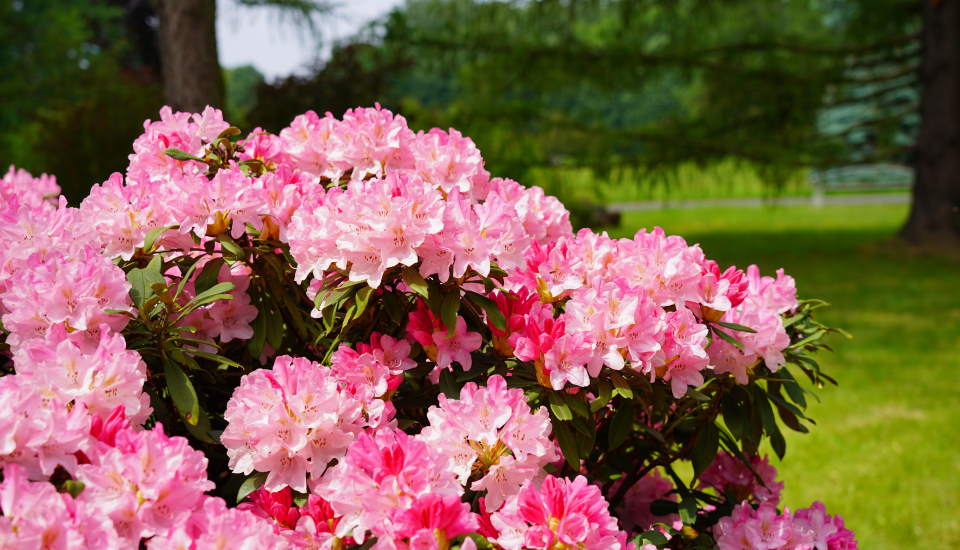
(448,384)
(604,393)
(577,405)
(662,507)
(182,392)
(449,308)
(255,344)
(568,444)
(216,358)
(494,315)
(274,327)
(620,425)
(735,326)
(727,337)
(705,448)
(202,430)
(209,275)
(688,509)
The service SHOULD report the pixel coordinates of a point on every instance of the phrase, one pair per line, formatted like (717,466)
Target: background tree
(634,89)
(935,212)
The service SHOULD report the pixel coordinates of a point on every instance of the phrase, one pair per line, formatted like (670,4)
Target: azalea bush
(350,335)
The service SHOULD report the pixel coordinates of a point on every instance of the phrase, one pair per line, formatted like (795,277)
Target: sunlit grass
(886,451)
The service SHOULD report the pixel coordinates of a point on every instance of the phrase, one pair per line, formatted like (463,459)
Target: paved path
(830,200)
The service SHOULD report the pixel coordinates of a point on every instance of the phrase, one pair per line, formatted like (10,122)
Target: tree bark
(192,78)
(935,209)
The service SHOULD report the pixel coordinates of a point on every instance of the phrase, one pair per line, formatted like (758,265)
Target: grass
(886,451)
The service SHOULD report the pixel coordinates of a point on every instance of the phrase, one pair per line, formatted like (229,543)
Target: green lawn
(886,451)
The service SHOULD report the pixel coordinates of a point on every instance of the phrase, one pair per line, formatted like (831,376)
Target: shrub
(349,335)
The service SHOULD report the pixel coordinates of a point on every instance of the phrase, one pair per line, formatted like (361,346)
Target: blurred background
(822,136)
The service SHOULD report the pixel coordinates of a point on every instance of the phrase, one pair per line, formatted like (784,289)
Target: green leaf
(735,326)
(72,487)
(727,337)
(251,484)
(339,294)
(184,359)
(362,298)
(180,154)
(216,358)
(213,294)
(736,412)
(274,327)
(620,425)
(605,392)
(229,132)
(202,430)
(185,278)
(688,509)
(255,344)
(559,408)
(449,308)
(568,444)
(143,279)
(577,405)
(229,245)
(490,307)
(621,386)
(448,384)
(153,234)
(209,275)
(182,392)
(705,448)
(662,507)
(415,281)
(652,536)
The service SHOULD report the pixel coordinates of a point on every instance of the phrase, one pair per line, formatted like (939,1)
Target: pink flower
(35,515)
(37,430)
(147,483)
(277,505)
(440,346)
(433,520)
(380,477)
(560,511)
(102,379)
(290,421)
(728,475)
(763,528)
(490,431)
(213,525)
(635,513)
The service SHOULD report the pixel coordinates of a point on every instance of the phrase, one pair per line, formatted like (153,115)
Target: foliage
(70,64)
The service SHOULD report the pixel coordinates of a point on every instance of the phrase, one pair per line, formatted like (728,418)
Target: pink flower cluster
(290,421)
(491,434)
(765,529)
(728,475)
(641,303)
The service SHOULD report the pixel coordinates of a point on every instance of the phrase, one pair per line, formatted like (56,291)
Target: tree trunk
(935,210)
(188,53)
